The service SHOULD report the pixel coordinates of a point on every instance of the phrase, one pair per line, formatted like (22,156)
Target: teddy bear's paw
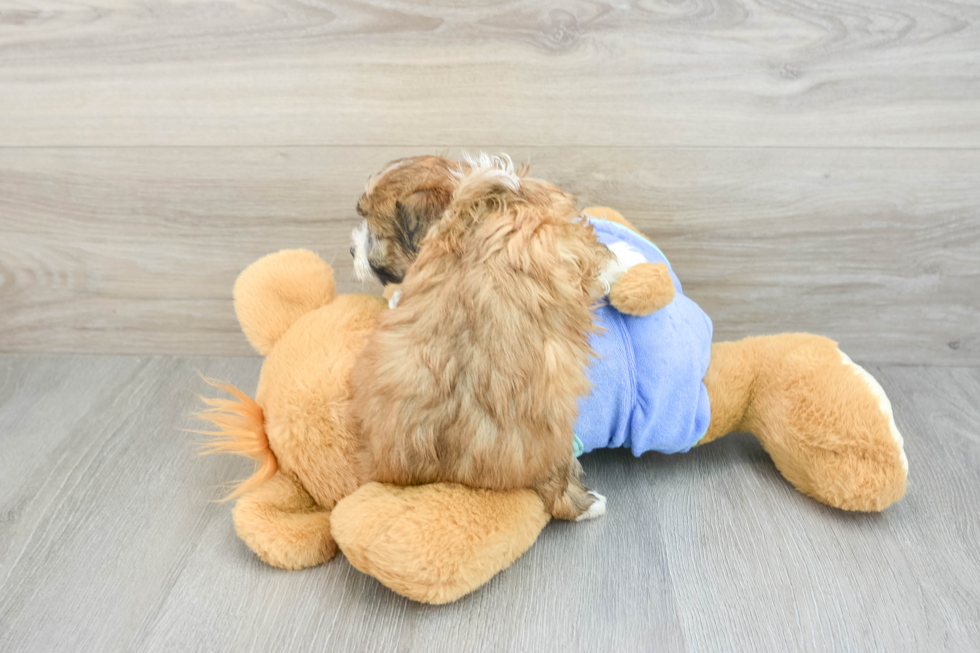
(283,525)
(596,510)
(828,425)
(884,405)
(643,289)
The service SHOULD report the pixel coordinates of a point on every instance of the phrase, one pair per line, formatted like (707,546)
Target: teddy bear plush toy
(825,422)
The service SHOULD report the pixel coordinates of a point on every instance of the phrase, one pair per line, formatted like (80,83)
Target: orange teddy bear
(824,420)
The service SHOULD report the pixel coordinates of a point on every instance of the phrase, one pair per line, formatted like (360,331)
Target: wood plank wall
(805,164)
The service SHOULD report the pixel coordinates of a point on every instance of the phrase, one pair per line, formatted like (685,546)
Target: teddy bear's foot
(283,525)
(824,420)
(435,543)
(829,428)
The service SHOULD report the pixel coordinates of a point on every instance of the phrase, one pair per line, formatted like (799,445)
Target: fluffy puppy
(399,205)
(475,378)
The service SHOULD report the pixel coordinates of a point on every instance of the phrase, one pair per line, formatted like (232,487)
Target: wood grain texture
(109,541)
(398,72)
(135,250)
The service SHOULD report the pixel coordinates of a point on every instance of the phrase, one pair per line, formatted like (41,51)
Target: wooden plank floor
(110,541)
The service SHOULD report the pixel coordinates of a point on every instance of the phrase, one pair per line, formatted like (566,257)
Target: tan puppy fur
(399,205)
(475,378)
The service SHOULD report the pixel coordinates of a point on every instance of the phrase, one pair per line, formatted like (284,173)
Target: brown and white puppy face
(399,205)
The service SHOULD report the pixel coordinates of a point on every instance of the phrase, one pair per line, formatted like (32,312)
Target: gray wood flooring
(110,540)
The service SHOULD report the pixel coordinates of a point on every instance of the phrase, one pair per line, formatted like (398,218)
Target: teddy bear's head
(289,310)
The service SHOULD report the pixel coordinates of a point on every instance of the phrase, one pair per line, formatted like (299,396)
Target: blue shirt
(648,391)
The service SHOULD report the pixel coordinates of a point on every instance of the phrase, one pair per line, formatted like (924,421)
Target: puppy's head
(520,230)
(399,205)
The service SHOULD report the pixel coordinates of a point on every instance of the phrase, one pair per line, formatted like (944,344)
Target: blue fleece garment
(648,393)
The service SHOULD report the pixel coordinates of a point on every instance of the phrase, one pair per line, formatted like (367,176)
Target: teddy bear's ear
(278,289)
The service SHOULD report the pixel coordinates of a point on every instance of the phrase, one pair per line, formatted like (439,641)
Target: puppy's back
(475,377)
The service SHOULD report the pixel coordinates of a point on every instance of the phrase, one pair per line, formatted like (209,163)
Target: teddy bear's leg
(282,523)
(824,420)
(435,543)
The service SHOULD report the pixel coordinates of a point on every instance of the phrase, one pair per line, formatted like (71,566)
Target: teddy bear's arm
(643,289)
(435,543)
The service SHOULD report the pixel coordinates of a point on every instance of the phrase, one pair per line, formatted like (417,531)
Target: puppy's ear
(418,212)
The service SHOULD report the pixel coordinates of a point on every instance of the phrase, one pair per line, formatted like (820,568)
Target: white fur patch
(500,168)
(625,257)
(883,404)
(395,298)
(359,239)
(597,509)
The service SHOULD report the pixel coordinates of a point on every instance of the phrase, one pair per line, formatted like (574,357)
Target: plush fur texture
(475,377)
(826,423)
(284,525)
(814,412)
(271,296)
(643,289)
(402,523)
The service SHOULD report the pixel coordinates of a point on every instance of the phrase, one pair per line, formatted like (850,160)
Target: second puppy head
(399,205)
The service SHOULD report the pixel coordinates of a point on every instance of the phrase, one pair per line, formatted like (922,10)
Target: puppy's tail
(240,430)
